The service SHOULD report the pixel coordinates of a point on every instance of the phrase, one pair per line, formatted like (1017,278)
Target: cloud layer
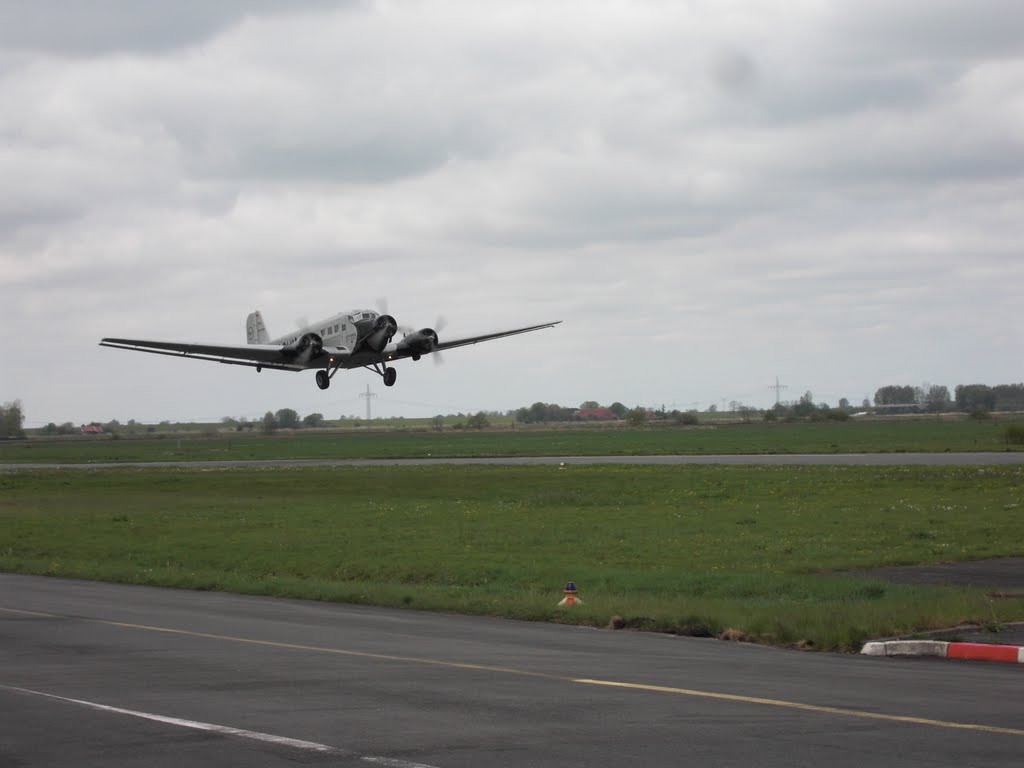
(709,194)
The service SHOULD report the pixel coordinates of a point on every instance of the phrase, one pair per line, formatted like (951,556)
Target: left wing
(256,355)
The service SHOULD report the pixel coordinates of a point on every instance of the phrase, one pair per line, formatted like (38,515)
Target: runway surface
(827,459)
(102,674)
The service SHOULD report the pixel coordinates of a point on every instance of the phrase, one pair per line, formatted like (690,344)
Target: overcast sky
(710,194)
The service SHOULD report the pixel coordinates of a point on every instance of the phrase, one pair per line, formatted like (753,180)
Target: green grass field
(666,548)
(893,436)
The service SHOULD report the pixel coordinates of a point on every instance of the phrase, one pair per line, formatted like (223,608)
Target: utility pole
(369,396)
(778,388)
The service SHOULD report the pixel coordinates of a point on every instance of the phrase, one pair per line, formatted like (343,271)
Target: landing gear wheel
(323,380)
(390,374)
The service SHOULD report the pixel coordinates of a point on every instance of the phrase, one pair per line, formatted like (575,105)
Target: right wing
(261,355)
(451,344)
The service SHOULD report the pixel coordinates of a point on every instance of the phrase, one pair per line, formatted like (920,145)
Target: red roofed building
(92,429)
(595,414)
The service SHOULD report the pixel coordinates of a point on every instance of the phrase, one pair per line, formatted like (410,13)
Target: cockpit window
(366,315)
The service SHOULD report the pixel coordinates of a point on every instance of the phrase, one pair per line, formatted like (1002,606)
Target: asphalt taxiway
(104,674)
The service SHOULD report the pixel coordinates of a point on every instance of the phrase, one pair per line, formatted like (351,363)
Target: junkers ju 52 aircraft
(361,338)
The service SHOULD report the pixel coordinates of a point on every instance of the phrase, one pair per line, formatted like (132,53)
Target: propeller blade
(439,326)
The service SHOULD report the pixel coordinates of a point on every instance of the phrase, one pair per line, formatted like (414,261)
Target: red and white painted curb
(981,651)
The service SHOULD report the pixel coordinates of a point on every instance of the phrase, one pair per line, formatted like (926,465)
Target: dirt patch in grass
(1004,572)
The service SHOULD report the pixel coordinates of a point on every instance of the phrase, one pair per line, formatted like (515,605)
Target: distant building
(896,408)
(92,429)
(595,414)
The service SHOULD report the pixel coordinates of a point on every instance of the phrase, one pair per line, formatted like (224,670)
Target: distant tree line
(969,398)
(288,418)
(591,410)
(975,399)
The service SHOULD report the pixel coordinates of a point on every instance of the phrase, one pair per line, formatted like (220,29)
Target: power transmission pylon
(778,388)
(369,396)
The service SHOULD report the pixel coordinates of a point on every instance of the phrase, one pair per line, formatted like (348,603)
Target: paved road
(244,681)
(858,459)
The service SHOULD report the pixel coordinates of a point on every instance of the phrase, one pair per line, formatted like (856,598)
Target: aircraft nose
(386,322)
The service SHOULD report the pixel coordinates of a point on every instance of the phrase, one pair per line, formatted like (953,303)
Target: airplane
(360,338)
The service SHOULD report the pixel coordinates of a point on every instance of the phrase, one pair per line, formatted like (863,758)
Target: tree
(12,419)
(269,423)
(618,409)
(313,420)
(287,419)
(805,407)
(844,403)
(747,412)
(478,421)
(975,397)
(589,404)
(894,394)
(637,416)
(437,423)
(685,418)
(1009,397)
(937,398)
(542,412)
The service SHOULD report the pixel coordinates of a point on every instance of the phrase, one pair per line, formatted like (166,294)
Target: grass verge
(896,436)
(682,549)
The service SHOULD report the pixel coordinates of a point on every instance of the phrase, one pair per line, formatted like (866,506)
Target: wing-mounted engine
(421,342)
(308,346)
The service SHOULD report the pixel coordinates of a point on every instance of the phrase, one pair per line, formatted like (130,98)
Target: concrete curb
(980,651)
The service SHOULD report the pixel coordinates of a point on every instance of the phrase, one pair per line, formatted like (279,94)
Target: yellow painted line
(801,706)
(31,613)
(561,678)
(297,646)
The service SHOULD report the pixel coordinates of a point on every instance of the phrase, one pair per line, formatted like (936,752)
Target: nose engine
(379,334)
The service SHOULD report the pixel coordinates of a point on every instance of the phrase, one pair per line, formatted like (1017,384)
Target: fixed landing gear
(386,372)
(323,380)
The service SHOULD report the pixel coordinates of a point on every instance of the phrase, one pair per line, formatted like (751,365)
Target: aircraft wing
(262,355)
(467,340)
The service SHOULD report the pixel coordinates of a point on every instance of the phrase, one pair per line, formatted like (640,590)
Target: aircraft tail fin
(255,330)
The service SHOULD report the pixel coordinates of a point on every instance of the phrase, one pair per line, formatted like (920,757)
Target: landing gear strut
(386,372)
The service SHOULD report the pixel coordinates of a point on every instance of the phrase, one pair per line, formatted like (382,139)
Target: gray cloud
(94,27)
(708,195)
